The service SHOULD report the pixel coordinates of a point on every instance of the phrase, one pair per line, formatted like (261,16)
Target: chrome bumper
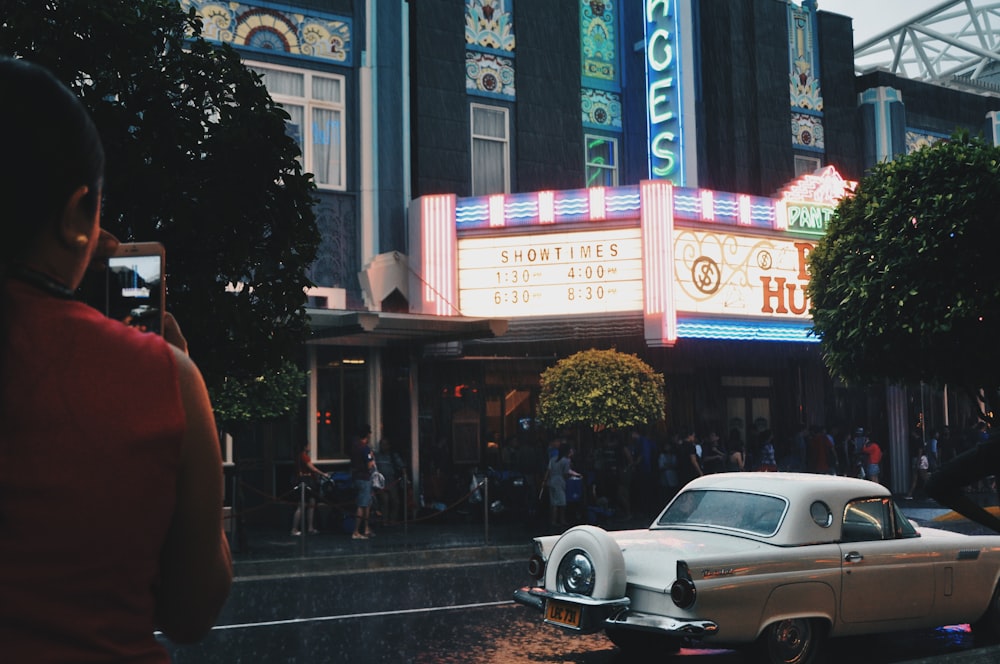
(599,614)
(649,622)
(594,612)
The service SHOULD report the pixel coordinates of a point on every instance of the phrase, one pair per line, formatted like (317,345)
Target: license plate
(563,614)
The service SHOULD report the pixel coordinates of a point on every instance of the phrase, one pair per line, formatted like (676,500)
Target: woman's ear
(79,222)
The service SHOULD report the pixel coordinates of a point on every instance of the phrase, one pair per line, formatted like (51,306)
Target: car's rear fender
(810,599)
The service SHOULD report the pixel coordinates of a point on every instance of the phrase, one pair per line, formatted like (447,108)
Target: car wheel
(986,630)
(642,644)
(793,641)
(586,561)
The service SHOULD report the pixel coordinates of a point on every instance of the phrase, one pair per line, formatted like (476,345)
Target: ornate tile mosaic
(601,108)
(489,74)
(807,131)
(803,59)
(598,45)
(490,24)
(916,139)
(275,28)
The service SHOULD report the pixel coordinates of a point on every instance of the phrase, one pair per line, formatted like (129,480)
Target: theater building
(505,182)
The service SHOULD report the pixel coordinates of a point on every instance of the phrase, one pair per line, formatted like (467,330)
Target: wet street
(451,615)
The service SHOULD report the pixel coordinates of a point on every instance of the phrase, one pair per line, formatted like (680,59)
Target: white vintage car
(776,561)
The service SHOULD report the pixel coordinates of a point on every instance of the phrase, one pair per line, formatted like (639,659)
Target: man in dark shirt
(688,463)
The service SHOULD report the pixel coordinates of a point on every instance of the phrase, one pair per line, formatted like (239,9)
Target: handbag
(378,479)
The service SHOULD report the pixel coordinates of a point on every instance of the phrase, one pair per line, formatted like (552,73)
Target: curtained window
(490,150)
(315,104)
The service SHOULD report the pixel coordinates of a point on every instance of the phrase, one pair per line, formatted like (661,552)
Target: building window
(806,165)
(490,150)
(602,161)
(315,104)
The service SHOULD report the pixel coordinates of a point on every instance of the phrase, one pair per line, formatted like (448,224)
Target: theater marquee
(695,262)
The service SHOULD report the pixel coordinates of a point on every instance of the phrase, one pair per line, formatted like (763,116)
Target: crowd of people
(621,475)
(639,472)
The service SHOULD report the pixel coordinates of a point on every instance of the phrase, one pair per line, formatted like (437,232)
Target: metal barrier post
(405,493)
(486,508)
(302,514)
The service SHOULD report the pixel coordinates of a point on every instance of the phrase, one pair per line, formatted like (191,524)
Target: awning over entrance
(381,329)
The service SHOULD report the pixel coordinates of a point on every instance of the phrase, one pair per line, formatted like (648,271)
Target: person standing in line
(560,469)
(821,455)
(391,465)
(667,463)
(306,474)
(689,461)
(140,469)
(920,468)
(713,459)
(768,462)
(628,459)
(932,451)
(873,458)
(362,464)
(736,458)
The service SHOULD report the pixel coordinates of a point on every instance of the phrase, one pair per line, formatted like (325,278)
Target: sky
(872,17)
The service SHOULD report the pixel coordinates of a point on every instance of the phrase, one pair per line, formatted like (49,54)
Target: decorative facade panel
(267,27)
(337,256)
(807,131)
(489,74)
(598,43)
(601,109)
(490,24)
(803,56)
(916,139)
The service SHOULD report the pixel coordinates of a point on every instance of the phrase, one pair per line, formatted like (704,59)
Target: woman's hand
(107,245)
(172,332)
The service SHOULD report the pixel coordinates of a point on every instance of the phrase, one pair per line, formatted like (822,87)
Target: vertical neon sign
(663,91)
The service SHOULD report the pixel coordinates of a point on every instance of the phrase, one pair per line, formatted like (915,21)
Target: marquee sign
(550,274)
(740,275)
(663,91)
(694,262)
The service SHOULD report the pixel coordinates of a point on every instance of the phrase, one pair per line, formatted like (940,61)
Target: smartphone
(136,289)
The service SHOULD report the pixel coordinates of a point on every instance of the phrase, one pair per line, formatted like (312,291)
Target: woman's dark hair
(51,147)
(564,450)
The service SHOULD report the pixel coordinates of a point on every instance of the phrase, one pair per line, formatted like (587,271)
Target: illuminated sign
(808,203)
(551,274)
(809,219)
(663,91)
(740,275)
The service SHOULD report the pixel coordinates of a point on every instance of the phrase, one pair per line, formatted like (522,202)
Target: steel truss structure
(955,44)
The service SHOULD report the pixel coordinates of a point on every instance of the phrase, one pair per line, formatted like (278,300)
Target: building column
(993,122)
(896,449)
(884,124)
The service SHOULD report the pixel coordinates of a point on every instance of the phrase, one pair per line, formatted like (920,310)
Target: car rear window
(751,512)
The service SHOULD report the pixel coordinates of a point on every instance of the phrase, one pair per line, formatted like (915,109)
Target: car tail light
(536,566)
(682,591)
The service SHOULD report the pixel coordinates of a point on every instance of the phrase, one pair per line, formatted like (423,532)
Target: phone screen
(135,290)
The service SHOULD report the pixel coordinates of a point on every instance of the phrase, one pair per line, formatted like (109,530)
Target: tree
(197,158)
(600,389)
(904,284)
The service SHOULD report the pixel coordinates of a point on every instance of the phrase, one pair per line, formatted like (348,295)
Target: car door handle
(853,557)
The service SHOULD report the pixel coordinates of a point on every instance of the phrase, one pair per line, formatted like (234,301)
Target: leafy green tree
(198,159)
(600,389)
(904,285)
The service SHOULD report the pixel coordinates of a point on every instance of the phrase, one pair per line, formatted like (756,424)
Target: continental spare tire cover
(603,552)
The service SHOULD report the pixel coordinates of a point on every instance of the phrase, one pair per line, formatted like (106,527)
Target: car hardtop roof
(790,485)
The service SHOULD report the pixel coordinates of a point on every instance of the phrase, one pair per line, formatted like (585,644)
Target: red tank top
(90,429)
